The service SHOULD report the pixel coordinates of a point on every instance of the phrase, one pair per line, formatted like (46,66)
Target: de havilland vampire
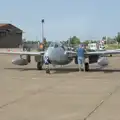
(58,55)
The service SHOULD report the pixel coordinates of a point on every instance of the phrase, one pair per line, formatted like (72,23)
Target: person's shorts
(80,60)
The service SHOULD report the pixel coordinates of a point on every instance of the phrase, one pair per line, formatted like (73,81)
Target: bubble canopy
(55,44)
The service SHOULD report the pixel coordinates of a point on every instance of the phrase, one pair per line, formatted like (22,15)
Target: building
(10,36)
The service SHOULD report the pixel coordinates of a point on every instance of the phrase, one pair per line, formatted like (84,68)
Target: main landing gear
(86,67)
(39,65)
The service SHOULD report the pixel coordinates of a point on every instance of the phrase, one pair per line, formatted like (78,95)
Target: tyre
(48,71)
(86,66)
(39,66)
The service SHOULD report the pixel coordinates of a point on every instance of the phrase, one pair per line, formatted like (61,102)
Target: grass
(112,46)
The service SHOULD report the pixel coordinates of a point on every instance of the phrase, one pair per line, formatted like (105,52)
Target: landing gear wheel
(39,66)
(110,55)
(86,66)
(48,71)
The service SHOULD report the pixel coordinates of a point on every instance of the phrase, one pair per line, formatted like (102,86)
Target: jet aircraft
(58,55)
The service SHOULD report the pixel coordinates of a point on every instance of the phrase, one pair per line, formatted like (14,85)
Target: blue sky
(87,19)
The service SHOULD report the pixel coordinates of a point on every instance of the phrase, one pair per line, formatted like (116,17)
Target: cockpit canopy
(55,45)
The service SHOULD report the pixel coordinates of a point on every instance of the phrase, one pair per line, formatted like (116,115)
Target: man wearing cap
(80,55)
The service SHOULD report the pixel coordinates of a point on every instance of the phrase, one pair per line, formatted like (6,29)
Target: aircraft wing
(106,52)
(23,53)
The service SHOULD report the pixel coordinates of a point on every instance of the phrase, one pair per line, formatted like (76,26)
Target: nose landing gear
(48,70)
(47,63)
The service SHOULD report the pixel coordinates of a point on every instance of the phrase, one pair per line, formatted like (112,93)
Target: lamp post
(42,21)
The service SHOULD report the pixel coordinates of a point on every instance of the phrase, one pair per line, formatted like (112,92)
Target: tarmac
(65,94)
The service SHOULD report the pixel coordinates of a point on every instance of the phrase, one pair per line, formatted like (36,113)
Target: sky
(86,19)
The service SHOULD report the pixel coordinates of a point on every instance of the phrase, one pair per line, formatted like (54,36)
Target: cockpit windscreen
(56,45)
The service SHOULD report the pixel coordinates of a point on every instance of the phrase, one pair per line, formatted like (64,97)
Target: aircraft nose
(48,53)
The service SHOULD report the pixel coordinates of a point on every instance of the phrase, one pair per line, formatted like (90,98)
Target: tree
(86,42)
(93,41)
(74,40)
(104,38)
(44,41)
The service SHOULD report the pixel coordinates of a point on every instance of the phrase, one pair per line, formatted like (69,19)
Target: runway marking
(101,102)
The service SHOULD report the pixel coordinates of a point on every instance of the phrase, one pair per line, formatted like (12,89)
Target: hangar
(10,36)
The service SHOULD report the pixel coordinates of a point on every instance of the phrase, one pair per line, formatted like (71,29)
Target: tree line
(75,41)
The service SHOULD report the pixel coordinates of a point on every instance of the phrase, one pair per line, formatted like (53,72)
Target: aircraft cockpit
(56,45)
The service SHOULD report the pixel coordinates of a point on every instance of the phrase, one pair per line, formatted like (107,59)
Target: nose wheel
(47,68)
(47,71)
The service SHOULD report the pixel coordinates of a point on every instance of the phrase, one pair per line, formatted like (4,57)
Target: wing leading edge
(73,54)
(23,53)
(70,53)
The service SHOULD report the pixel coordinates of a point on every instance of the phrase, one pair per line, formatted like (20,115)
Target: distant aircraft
(58,55)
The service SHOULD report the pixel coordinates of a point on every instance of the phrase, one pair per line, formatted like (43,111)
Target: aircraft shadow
(105,70)
(21,69)
(53,70)
(66,70)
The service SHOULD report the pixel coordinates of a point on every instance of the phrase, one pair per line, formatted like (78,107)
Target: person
(80,55)
(47,61)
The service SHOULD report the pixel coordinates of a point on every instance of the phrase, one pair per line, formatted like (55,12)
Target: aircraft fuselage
(57,56)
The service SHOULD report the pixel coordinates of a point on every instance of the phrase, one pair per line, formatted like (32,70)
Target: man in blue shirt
(81,58)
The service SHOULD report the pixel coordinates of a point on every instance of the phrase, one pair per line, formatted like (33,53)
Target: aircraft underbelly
(63,62)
